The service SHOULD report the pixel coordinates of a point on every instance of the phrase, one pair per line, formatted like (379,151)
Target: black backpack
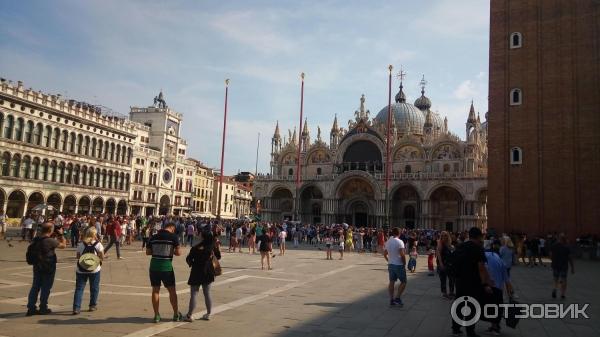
(34,255)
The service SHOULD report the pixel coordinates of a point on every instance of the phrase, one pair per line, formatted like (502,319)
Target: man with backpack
(472,277)
(42,256)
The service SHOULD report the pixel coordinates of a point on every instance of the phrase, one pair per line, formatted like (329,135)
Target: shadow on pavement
(83,320)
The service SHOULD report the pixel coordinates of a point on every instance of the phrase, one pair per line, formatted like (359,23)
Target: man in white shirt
(238,236)
(395,255)
(282,236)
(27,232)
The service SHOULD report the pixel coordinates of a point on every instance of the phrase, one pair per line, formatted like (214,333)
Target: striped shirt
(162,245)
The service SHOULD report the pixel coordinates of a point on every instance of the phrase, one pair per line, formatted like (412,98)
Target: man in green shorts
(162,246)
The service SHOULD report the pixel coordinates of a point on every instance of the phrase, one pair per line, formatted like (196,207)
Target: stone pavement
(305,295)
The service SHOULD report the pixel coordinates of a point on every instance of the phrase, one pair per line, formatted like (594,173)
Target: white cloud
(253,30)
(464,19)
(466,89)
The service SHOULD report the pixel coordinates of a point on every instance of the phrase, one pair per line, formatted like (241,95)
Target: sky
(122,53)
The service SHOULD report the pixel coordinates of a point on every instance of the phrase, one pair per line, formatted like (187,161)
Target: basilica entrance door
(360,219)
(358,213)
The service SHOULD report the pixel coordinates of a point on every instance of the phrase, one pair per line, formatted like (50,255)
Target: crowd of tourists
(469,263)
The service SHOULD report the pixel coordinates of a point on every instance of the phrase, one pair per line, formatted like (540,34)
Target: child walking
(430,258)
(412,262)
(328,244)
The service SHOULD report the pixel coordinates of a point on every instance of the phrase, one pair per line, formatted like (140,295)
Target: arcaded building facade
(437,180)
(71,155)
(544,116)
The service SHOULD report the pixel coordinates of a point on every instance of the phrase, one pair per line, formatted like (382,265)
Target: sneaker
(76,312)
(32,312)
(178,317)
(188,319)
(120,258)
(156,318)
(45,311)
(554,293)
(398,301)
(93,308)
(206,317)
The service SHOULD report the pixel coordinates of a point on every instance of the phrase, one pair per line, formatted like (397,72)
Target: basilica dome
(408,118)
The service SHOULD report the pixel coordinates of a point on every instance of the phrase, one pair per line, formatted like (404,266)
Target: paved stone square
(305,295)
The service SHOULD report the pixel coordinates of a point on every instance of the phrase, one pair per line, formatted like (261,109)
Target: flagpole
(257,147)
(223,151)
(298,167)
(387,149)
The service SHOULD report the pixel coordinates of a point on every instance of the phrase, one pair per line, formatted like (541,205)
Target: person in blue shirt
(499,275)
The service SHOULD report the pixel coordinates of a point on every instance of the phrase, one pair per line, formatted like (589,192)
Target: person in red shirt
(114,232)
(380,241)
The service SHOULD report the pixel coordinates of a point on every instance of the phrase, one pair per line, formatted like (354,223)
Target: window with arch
(6,164)
(516,40)
(64,138)
(47,136)
(407,169)
(291,172)
(28,132)
(516,96)
(319,171)
(8,127)
(56,138)
(516,156)
(20,125)
(37,135)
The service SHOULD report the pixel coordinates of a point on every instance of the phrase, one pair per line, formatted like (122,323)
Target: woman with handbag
(203,259)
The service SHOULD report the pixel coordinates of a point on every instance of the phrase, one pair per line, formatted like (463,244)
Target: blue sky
(121,53)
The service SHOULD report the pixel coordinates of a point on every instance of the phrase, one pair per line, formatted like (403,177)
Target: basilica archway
(405,206)
(362,155)
(311,203)
(446,203)
(282,204)
(357,197)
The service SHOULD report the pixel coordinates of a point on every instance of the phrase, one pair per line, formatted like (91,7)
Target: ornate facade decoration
(437,180)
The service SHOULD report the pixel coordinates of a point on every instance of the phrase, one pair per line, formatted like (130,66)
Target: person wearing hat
(90,253)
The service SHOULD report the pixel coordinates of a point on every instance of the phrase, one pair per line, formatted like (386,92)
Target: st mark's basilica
(438,180)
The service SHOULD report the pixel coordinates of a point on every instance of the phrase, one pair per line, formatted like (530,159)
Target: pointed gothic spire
(276,135)
(294,137)
(478,118)
(305,128)
(471,118)
(335,127)
(446,124)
